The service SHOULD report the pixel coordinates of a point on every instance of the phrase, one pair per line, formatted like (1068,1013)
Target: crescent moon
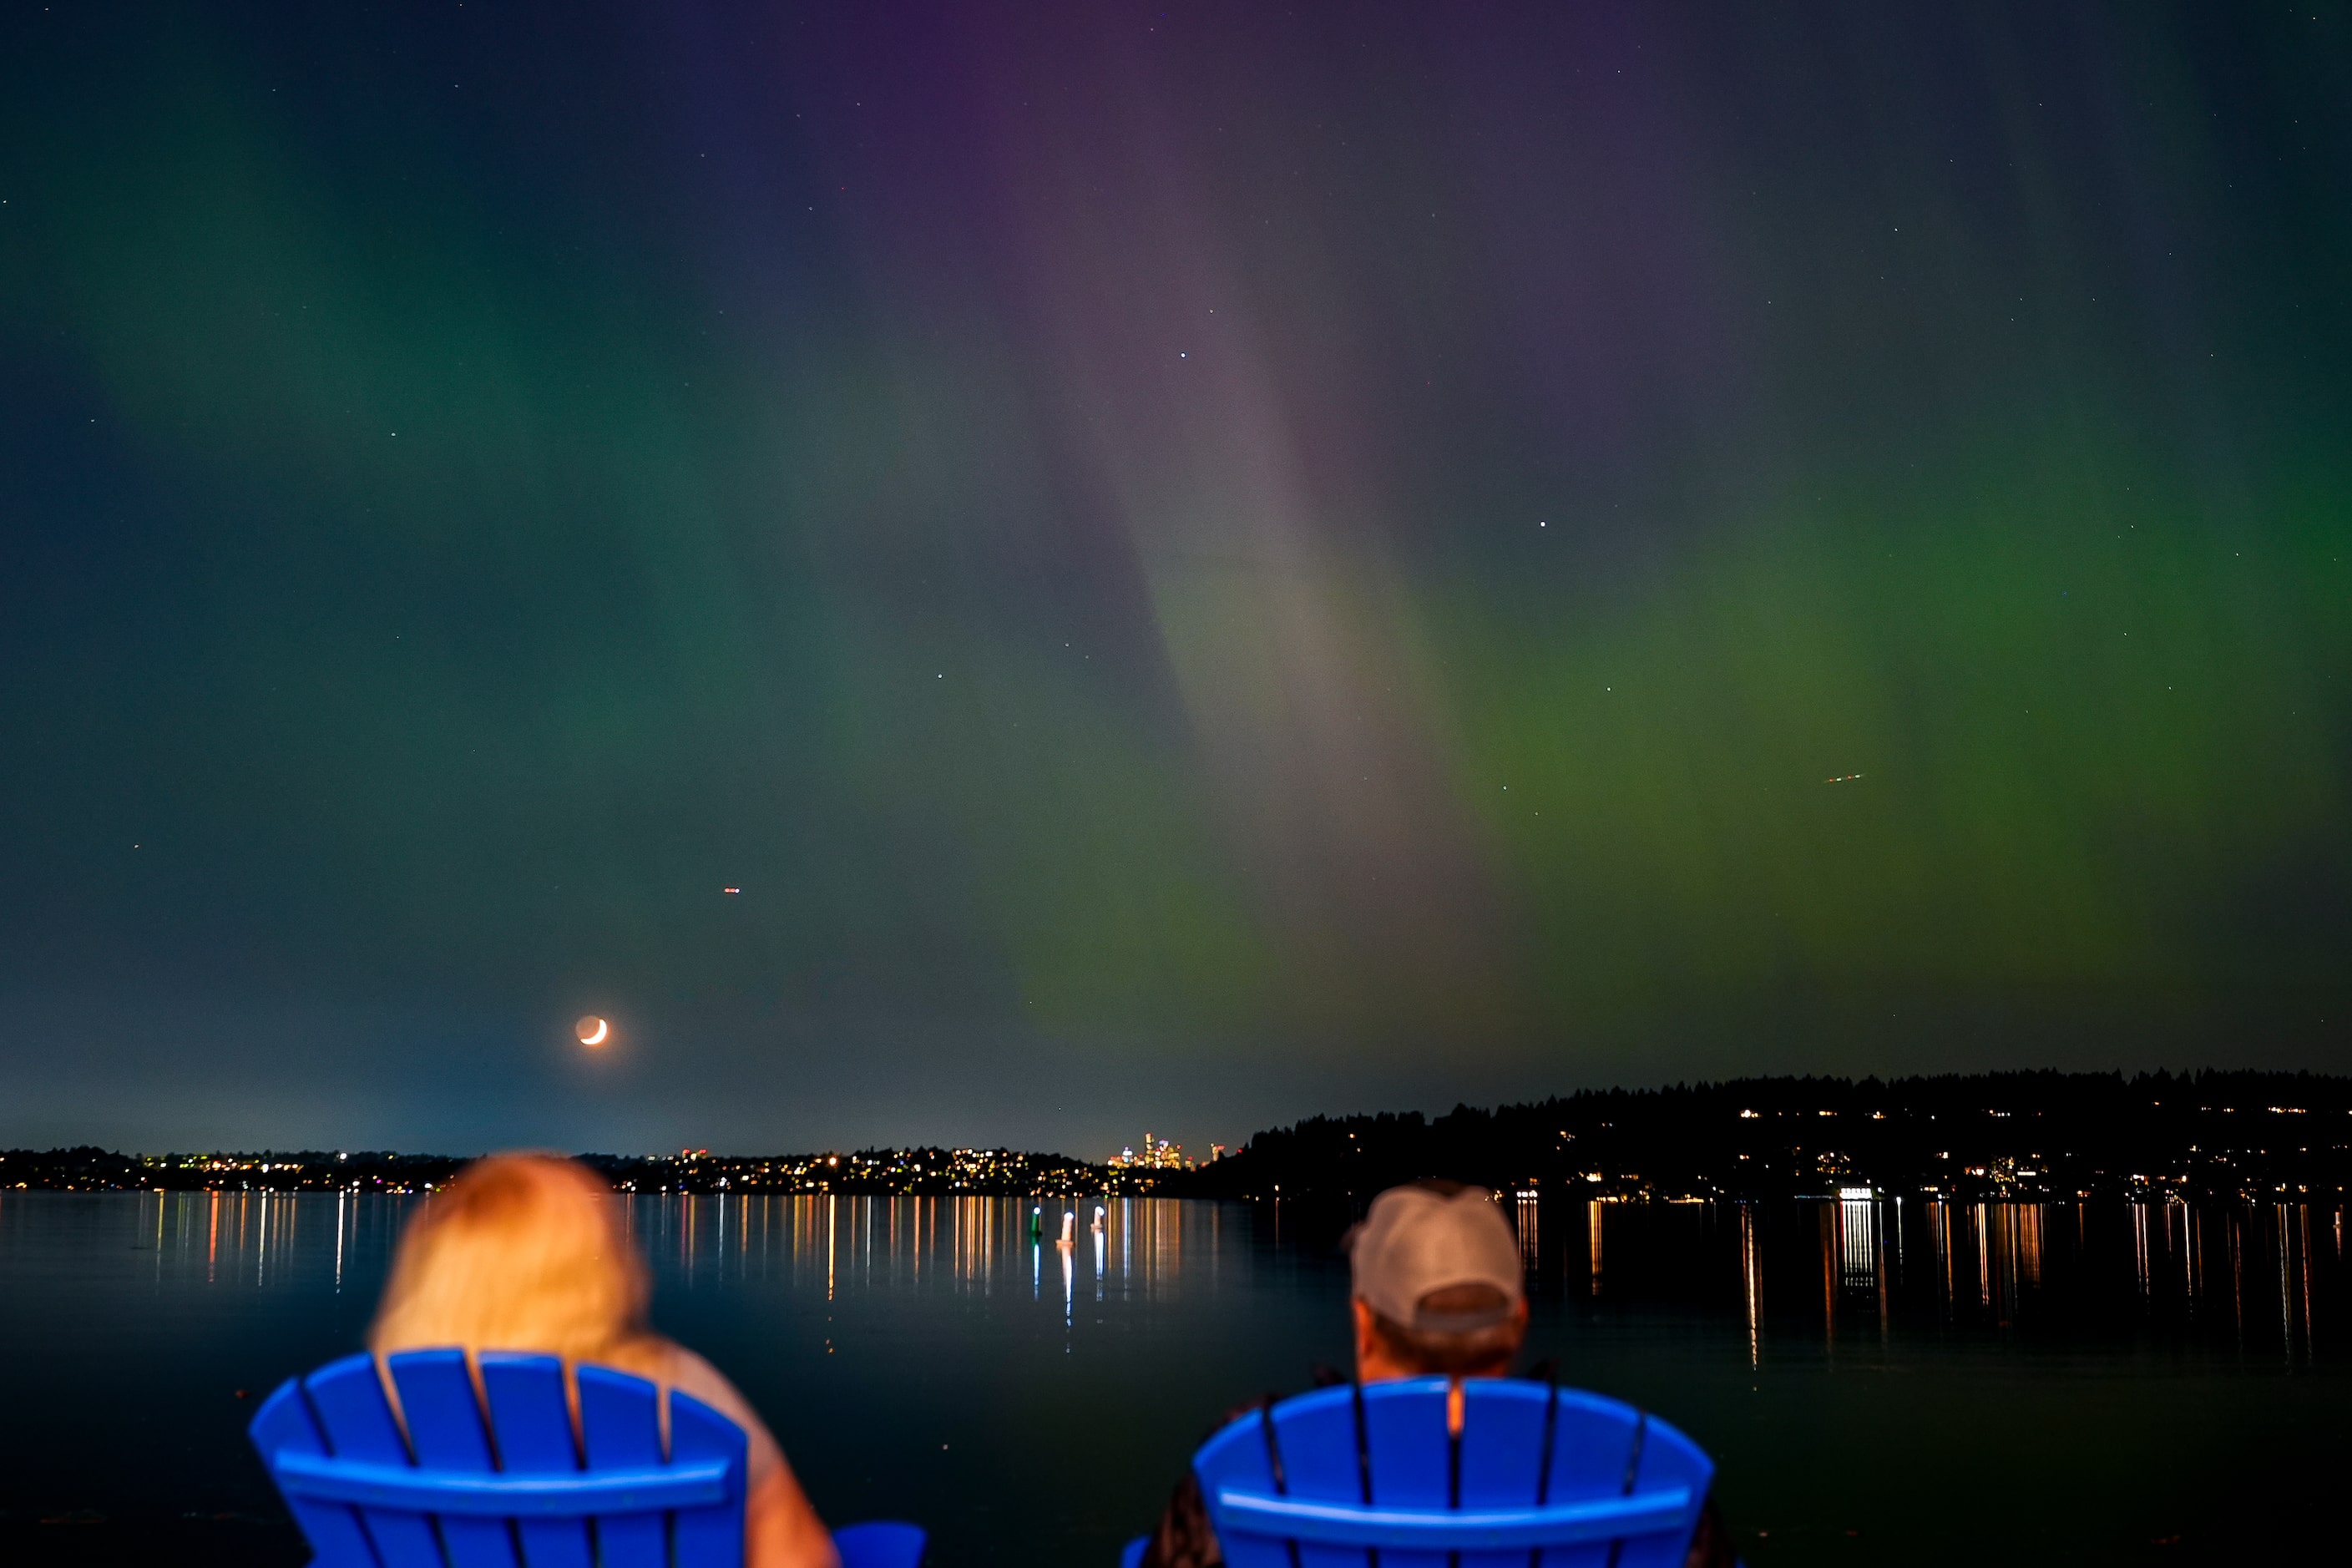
(594,1036)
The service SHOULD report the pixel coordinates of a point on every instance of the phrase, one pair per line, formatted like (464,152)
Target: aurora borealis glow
(1196,565)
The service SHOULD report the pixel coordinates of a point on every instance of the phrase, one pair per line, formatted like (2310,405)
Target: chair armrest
(880,1544)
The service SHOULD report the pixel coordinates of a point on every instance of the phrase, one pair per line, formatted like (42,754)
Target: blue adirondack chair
(514,1490)
(1540,1475)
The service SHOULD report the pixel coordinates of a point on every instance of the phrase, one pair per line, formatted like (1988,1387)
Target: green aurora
(1834,551)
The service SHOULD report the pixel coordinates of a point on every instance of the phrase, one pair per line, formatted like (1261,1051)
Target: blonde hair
(521,1252)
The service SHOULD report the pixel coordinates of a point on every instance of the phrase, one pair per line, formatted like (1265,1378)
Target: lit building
(1159,1154)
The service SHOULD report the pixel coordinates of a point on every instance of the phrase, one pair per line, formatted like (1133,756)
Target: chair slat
(620,1428)
(1592,1450)
(1668,1460)
(445,1430)
(1502,1453)
(1593,1447)
(1318,1433)
(348,1398)
(283,1424)
(1236,1457)
(1411,1455)
(533,1424)
(708,1537)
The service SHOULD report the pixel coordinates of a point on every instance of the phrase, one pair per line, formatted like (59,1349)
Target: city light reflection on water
(890,1335)
(1998,1265)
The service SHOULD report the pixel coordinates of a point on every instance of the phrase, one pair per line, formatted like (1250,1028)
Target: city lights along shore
(2043,1136)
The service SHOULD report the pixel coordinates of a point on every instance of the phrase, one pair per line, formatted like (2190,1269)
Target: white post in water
(1070,1228)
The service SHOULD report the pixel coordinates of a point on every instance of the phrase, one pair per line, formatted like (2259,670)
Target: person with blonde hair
(523,1252)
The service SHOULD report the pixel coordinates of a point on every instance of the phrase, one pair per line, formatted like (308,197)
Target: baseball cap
(1416,1239)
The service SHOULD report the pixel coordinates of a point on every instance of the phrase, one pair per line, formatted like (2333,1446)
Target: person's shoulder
(676,1368)
(689,1374)
(681,1371)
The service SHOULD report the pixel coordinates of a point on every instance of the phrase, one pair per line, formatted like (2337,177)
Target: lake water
(1880,1383)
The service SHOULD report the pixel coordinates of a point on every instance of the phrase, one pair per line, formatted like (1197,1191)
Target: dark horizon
(1021,576)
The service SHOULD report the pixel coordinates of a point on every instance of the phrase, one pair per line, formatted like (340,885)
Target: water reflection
(2260,1276)
(846,1244)
(1846,1271)
(150,1309)
(1751,1275)
(1857,1244)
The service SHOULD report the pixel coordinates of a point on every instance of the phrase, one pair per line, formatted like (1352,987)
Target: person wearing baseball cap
(1437,1292)
(1437,1284)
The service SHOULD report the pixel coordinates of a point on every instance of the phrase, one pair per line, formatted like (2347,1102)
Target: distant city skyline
(2005,1136)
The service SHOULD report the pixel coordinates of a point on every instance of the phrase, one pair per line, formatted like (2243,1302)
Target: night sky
(1194,566)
